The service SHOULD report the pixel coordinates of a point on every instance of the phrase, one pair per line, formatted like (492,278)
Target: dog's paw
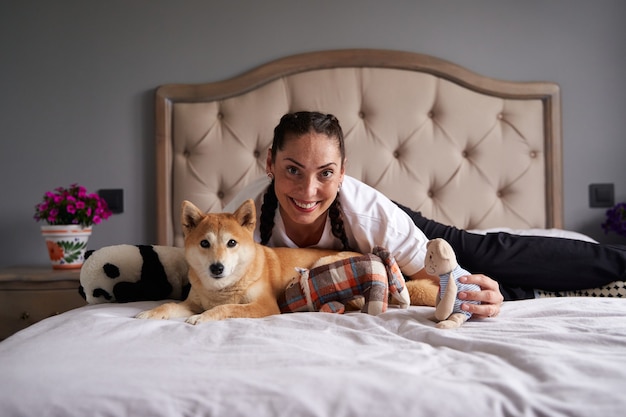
(196,319)
(152,314)
(209,315)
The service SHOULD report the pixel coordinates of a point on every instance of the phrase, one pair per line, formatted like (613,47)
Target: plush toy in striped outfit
(375,276)
(441,261)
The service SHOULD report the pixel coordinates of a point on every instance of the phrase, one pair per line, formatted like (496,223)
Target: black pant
(522,263)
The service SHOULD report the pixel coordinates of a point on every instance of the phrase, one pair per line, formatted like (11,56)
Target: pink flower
(71,205)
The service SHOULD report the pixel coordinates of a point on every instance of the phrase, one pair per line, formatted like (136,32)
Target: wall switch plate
(114,199)
(601,195)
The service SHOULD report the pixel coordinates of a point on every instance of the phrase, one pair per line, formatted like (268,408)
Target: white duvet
(544,357)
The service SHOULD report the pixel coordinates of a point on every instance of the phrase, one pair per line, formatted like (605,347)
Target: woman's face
(307,173)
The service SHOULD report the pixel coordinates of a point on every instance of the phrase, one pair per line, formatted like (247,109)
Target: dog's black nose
(216,269)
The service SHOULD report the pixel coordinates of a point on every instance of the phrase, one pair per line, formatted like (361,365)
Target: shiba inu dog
(230,274)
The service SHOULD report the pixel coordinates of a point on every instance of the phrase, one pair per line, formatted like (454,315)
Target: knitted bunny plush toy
(441,261)
(327,288)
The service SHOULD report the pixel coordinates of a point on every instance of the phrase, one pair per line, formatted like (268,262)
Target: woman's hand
(490,297)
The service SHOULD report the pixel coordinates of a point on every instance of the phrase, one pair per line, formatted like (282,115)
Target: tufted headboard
(461,148)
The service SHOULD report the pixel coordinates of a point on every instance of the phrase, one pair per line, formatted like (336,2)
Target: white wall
(77,81)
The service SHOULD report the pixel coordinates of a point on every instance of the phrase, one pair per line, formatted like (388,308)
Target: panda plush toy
(124,273)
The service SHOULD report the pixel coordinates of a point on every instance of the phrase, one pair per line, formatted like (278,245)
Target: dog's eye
(232,243)
(205,243)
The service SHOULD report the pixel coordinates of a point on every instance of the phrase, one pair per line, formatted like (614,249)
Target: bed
(462,148)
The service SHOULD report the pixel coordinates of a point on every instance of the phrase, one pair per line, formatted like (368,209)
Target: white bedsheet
(544,357)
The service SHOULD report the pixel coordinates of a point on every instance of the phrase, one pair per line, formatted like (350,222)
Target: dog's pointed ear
(191,216)
(246,215)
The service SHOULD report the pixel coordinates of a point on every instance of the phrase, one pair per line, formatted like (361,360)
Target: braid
(336,222)
(268,209)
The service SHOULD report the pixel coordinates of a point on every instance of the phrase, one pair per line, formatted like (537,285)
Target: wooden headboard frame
(183,163)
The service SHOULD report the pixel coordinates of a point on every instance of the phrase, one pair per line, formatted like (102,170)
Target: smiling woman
(305,175)
(305,206)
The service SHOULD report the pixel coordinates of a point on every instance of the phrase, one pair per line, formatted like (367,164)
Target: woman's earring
(339,187)
(270,176)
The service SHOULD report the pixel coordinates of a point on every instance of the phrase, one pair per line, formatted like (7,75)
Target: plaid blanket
(374,276)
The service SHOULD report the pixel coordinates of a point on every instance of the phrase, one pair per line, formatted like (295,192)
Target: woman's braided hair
(298,124)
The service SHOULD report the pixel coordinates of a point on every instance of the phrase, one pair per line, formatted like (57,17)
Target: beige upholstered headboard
(464,149)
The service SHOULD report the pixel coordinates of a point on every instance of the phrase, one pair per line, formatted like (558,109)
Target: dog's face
(219,247)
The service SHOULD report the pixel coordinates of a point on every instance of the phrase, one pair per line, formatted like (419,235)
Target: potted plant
(69,214)
(616,219)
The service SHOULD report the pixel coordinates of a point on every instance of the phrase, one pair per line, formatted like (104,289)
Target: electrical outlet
(601,195)
(114,199)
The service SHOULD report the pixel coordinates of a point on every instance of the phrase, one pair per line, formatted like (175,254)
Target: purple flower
(616,219)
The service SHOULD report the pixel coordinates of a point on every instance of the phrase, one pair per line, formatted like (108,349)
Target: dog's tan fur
(253,275)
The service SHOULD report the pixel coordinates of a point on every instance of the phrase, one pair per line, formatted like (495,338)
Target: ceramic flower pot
(66,245)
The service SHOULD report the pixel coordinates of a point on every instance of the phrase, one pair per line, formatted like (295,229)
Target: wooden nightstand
(30,294)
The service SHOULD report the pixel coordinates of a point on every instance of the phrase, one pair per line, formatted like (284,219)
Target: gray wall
(77,80)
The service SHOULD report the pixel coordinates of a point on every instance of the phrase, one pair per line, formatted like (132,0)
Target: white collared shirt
(370,219)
